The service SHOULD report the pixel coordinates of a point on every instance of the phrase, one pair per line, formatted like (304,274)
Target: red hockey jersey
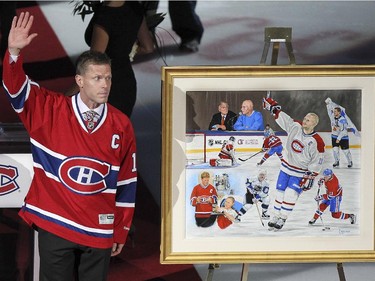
(207,197)
(84,184)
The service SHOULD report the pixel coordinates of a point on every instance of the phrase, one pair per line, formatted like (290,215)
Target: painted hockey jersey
(333,188)
(223,221)
(340,128)
(350,127)
(303,152)
(203,209)
(84,184)
(271,141)
(227,151)
(258,188)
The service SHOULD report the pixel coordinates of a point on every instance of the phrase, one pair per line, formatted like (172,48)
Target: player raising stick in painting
(300,165)
(341,125)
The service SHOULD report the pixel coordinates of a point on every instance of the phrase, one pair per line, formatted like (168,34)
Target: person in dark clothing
(186,23)
(224,119)
(114,29)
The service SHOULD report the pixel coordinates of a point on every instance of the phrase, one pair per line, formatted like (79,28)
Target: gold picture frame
(179,244)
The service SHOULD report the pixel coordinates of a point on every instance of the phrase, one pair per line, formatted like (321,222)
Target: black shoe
(350,164)
(280,223)
(190,46)
(352,218)
(272,222)
(265,216)
(312,221)
(336,164)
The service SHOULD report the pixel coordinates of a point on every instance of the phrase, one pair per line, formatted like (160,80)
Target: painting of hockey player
(226,154)
(268,130)
(222,185)
(272,144)
(341,125)
(302,161)
(227,214)
(203,198)
(331,198)
(257,189)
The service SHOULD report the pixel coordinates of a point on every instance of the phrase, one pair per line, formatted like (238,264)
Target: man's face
(247,108)
(308,122)
(228,203)
(223,108)
(327,178)
(336,113)
(261,177)
(205,181)
(95,85)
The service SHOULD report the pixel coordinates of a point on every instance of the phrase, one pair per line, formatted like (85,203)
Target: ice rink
(297,223)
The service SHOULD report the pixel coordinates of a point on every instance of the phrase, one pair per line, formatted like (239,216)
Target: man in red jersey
(81,199)
(332,198)
(203,198)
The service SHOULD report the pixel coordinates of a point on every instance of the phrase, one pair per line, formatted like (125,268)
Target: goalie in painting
(226,155)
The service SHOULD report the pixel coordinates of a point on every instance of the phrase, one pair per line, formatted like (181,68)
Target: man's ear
(79,80)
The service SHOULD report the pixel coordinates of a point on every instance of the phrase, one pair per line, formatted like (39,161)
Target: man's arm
(213,122)
(258,122)
(238,126)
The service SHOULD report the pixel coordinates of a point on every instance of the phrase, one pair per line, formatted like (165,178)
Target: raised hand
(272,106)
(19,36)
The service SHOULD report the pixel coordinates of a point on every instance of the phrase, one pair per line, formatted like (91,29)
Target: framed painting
(227,209)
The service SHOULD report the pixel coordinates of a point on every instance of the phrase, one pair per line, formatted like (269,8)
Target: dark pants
(185,21)
(62,260)
(205,222)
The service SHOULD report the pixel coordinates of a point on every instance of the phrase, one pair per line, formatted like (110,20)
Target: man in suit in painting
(224,119)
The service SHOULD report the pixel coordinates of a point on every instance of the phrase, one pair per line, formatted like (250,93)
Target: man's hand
(116,249)
(272,106)
(19,36)
(307,180)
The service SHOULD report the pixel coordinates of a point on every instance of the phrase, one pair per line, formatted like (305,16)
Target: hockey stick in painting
(251,156)
(320,216)
(259,214)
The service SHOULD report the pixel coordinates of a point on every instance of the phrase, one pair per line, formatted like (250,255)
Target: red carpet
(47,63)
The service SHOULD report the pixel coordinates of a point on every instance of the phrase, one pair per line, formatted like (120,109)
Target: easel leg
(340,270)
(245,271)
(275,53)
(292,59)
(265,52)
(211,268)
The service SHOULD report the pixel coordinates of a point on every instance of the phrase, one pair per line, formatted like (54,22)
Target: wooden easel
(277,35)
(274,35)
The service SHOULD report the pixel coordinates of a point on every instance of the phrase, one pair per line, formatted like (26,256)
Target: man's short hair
(338,109)
(316,117)
(91,58)
(205,175)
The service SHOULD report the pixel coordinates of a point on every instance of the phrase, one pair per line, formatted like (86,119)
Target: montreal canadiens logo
(297,146)
(8,175)
(84,175)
